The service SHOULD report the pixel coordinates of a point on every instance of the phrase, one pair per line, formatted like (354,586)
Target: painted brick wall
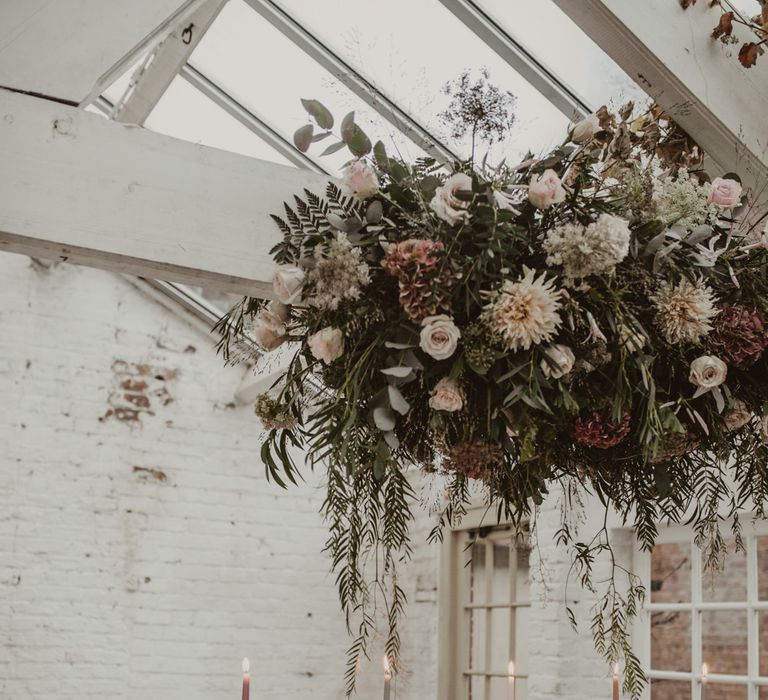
(143,553)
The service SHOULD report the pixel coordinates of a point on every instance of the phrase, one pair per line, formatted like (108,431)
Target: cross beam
(669,52)
(77,187)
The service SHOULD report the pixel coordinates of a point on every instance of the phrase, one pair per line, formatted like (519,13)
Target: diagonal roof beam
(248,119)
(164,63)
(525,63)
(347,75)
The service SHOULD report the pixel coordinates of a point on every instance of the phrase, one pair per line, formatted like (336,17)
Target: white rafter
(163,64)
(77,187)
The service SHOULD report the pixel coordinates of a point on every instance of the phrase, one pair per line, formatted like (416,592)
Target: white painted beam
(164,63)
(62,48)
(77,187)
(669,52)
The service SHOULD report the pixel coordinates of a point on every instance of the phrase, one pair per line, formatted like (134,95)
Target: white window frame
(681,534)
(454,611)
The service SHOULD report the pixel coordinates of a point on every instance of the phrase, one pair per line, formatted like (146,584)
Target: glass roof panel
(411,65)
(268,74)
(560,45)
(185,113)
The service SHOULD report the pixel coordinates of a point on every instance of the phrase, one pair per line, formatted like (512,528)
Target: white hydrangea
(588,250)
(339,273)
(682,202)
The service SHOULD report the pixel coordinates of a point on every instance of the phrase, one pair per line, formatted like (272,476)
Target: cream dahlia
(684,311)
(525,312)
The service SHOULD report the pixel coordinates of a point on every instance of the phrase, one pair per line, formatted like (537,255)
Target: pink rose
(327,344)
(737,417)
(545,190)
(361,179)
(446,204)
(446,396)
(724,193)
(287,283)
(439,336)
(269,326)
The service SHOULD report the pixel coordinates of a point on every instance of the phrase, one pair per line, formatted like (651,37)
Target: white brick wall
(143,553)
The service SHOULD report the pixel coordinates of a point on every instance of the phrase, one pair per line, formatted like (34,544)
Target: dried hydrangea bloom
(599,430)
(741,335)
(684,311)
(339,273)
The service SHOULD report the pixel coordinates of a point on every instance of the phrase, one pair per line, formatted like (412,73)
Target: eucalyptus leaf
(397,400)
(380,155)
(400,372)
(358,142)
(347,126)
(321,115)
(398,346)
(302,137)
(333,148)
(384,419)
(391,439)
(336,221)
(375,212)
(322,135)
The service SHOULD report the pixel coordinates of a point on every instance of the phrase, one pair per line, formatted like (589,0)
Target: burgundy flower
(740,335)
(597,429)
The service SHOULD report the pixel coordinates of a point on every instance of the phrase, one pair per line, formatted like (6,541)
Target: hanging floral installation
(591,321)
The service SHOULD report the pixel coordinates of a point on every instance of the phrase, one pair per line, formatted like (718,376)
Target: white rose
(439,336)
(446,396)
(327,344)
(445,203)
(287,283)
(361,179)
(584,130)
(545,190)
(708,372)
(561,356)
(737,417)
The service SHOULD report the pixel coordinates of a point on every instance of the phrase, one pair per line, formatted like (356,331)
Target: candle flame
(387,665)
(704,670)
(615,669)
(511,669)
(246,665)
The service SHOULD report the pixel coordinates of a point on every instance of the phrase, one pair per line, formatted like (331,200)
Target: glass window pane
(762,692)
(477,573)
(671,573)
(762,633)
(729,583)
(670,690)
(477,639)
(724,641)
(501,634)
(500,689)
(268,74)
(542,28)
(726,691)
(671,641)
(411,65)
(185,113)
(501,586)
(762,567)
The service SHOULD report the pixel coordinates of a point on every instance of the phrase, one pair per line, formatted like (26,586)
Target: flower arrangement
(594,319)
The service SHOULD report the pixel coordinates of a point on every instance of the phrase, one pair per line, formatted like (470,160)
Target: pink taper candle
(616,682)
(246,680)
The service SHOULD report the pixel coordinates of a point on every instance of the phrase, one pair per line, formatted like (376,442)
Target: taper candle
(616,682)
(511,681)
(387,677)
(246,679)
